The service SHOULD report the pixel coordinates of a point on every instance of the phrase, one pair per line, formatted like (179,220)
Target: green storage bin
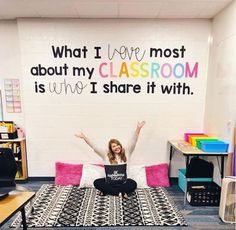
(208,140)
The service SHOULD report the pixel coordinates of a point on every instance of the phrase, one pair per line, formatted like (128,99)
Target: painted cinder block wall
(50,121)
(220,109)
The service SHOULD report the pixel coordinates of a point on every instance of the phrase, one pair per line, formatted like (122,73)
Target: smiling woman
(115,155)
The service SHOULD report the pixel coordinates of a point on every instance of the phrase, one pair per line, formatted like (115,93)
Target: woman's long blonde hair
(111,154)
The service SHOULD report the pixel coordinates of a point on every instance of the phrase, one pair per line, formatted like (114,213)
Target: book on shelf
(15,147)
(19,170)
(18,174)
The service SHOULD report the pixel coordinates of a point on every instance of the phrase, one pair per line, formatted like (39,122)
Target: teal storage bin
(214,146)
(182,179)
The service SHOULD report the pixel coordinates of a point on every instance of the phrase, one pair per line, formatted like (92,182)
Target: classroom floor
(196,217)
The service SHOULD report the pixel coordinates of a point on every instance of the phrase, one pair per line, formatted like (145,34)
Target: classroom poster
(12,95)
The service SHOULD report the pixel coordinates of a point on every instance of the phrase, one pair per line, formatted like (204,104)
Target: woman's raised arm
(134,139)
(97,150)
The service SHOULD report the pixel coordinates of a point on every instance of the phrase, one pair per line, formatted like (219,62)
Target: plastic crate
(203,194)
(214,146)
(182,179)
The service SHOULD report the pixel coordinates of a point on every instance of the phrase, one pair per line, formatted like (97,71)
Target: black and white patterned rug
(70,206)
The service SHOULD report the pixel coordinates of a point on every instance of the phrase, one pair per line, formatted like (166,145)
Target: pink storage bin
(187,135)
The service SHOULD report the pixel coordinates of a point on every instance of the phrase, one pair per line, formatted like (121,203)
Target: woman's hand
(141,124)
(81,135)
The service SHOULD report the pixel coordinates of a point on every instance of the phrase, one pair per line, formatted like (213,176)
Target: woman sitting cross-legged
(115,155)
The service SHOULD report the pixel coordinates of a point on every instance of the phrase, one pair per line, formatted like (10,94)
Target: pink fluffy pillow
(68,174)
(157,175)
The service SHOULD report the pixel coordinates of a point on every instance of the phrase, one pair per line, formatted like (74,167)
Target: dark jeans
(106,188)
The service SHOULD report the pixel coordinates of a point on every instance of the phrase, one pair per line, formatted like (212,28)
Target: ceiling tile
(139,9)
(16,8)
(11,9)
(53,8)
(210,10)
(97,9)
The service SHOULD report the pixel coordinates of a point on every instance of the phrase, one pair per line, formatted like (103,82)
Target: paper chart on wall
(12,95)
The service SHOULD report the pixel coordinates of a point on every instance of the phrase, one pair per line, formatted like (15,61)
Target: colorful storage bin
(182,179)
(214,146)
(193,139)
(198,141)
(187,135)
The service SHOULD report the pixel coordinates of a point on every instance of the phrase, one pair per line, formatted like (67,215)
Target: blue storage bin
(214,146)
(182,179)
